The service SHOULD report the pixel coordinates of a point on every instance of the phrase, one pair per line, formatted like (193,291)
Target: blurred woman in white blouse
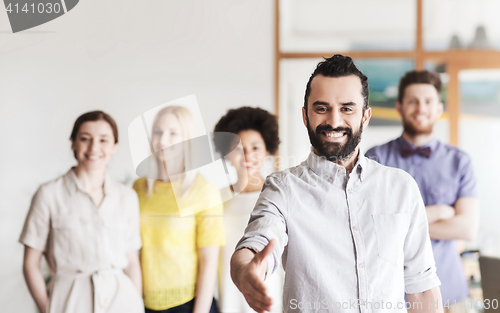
(87,227)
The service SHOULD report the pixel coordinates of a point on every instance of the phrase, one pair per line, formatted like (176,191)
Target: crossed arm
(458,222)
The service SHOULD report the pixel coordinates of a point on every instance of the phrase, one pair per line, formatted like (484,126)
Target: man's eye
(104,140)
(347,109)
(83,138)
(321,109)
(158,133)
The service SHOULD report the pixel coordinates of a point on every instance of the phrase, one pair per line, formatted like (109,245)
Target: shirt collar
(324,168)
(74,185)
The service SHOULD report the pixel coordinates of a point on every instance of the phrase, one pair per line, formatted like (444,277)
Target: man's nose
(335,119)
(421,106)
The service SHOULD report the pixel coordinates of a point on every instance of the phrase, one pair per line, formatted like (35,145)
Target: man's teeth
(334,134)
(93,157)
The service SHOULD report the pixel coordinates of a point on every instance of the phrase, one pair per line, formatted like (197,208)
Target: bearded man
(444,175)
(352,234)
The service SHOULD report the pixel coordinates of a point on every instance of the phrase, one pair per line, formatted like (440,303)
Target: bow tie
(407,151)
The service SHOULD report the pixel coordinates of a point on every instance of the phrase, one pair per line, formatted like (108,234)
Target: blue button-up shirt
(442,178)
(350,242)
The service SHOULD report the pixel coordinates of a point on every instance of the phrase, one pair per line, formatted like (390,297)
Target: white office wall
(124,57)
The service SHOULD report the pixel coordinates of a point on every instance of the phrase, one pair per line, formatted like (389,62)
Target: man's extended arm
(463,225)
(266,232)
(248,270)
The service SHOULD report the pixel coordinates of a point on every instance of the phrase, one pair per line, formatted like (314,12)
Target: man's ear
(440,109)
(398,108)
(304,116)
(367,116)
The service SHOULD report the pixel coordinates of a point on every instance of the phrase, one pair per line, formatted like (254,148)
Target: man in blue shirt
(443,173)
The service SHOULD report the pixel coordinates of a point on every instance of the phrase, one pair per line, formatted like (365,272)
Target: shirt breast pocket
(66,237)
(391,230)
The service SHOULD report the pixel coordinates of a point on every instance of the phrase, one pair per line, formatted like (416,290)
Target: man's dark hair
(419,77)
(338,66)
(248,118)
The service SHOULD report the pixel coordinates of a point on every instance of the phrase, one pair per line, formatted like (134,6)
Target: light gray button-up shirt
(349,242)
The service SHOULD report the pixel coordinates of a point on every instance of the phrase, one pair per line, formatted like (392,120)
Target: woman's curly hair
(248,118)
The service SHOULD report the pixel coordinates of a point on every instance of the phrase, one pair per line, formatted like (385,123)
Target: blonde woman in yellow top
(181,222)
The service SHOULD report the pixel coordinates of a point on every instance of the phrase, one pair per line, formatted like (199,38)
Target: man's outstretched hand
(248,270)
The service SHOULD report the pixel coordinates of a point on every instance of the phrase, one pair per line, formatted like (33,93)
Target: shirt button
(360,265)
(340,170)
(349,190)
(330,180)
(355,228)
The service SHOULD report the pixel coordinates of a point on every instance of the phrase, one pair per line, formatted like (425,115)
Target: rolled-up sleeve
(268,221)
(37,224)
(419,265)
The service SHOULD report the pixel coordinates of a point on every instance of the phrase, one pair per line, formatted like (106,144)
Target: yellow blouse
(169,257)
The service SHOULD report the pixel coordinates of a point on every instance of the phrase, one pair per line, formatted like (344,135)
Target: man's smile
(334,136)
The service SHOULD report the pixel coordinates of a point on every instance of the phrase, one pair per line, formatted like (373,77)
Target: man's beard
(334,151)
(412,131)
